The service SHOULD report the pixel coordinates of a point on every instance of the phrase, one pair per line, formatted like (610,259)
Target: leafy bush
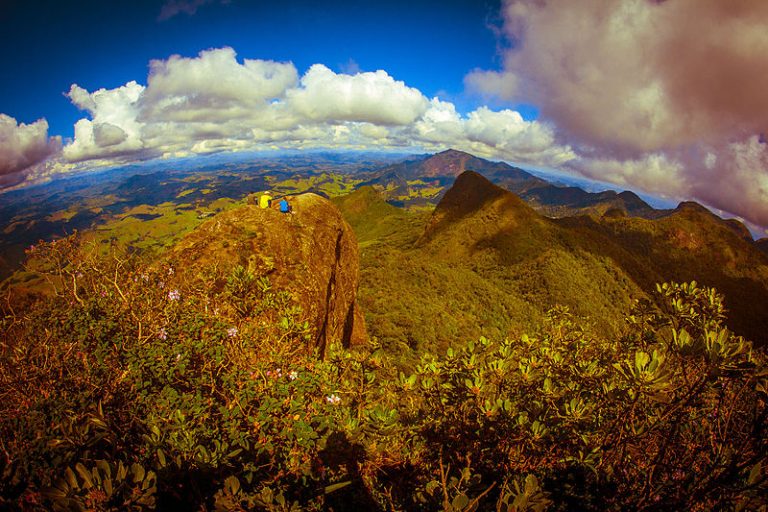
(672,416)
(132,384)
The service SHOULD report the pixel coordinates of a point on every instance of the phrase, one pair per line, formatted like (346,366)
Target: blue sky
(429,44)
(665,98)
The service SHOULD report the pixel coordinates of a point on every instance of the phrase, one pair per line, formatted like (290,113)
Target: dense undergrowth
(134,385)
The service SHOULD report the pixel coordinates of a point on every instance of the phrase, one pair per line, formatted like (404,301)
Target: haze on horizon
(663,97)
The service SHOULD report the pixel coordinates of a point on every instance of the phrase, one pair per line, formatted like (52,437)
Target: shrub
(131,384)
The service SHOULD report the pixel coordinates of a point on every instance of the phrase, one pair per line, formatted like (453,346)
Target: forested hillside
(486,263)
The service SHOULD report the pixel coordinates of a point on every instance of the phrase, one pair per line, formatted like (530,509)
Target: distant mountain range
(175,197)
(402,183)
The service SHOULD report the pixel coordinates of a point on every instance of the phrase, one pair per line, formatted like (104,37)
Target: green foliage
(200,375)
(136,385)
(647,420)
(103,487)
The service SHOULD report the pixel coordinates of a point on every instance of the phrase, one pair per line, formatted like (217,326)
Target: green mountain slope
(554,201)
(486,262)
(693,244)
(483,263)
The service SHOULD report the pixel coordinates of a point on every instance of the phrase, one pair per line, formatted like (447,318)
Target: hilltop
(310,253)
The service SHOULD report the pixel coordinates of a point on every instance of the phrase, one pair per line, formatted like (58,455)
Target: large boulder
(311,253)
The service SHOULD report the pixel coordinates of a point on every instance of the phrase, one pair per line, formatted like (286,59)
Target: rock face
(311,253)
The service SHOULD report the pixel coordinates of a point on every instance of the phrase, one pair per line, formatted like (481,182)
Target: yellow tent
(265,200)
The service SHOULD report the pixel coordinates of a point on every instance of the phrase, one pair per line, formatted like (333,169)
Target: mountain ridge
(596,265)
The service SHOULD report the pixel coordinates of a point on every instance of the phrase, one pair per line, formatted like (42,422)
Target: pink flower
(174,294)
(162,334)
(232,332)
(333,399)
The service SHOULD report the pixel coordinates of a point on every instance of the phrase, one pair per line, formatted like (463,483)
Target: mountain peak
(692,206)
(471,193)
(696,210)
(453,153)
(447,163)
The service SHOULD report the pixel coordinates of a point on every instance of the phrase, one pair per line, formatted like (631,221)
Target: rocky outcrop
(311,252)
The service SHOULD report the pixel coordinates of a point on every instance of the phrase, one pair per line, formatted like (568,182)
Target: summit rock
(311,253)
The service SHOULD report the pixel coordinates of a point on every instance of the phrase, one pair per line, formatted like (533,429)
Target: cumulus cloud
(655,94)
(213,86)
(636,74)
(22,147)
(737,179)
(106,135)
(113,128)
(656,173)
(493,83)
(214,102)
(373,97)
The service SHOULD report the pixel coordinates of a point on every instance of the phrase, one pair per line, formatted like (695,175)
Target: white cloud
(500,129)
(493,83)
(665,96)
(372,97)
(440,124)
(494,134)
(113,129)
(637,75)
(212,86)
(213,102)
(737,182)
(22,147)
(654,173)
(107,134)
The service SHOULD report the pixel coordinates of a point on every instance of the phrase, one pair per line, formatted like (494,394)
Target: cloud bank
(214,102)
(23,146)
(668,96)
